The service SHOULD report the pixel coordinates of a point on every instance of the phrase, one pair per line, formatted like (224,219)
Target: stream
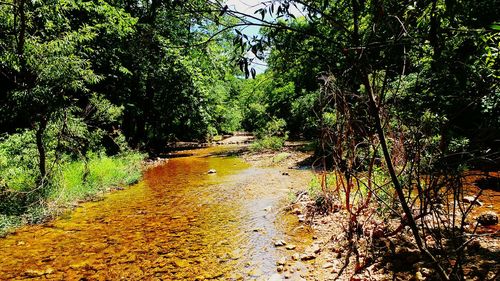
(178,223)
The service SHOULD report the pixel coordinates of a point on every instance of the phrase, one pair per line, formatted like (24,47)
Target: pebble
(308,256)
(327,265)
(315,249)
(211,171)
(290,247)
(279,243)
(488,218)
(470,199)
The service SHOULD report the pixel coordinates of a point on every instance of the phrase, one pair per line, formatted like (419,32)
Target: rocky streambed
(179,223)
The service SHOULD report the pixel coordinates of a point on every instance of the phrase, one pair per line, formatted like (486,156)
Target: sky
(249,7)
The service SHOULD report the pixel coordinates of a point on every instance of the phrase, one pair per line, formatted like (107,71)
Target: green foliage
(271,137)
(18,161)
(280,157)
(268,143)
(275,127)
(23,200)
(104,173)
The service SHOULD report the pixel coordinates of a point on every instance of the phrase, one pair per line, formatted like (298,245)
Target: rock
(308,256)
(487,218)
(281,261)
(473,246)
(290,247)
(296,211)
(211,171)
(314,249)
(279,268)
(357,278)
(295,257)
(406,255)
(288,276)
(418,277)
(279,243)
(470,199)
(327,265)
(426,272)
(285,174)
(268,208)
(37,273)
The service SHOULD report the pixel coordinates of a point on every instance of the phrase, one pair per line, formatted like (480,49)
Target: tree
(373,56)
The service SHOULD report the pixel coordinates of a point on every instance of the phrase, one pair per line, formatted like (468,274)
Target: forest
(398,101)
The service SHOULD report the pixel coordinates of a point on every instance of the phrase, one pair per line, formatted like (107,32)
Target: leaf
(253,72)
(495,26)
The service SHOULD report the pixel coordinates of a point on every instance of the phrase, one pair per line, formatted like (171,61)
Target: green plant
(280,157)
(268,143)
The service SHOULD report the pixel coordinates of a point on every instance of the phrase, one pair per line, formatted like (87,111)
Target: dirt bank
(329,256)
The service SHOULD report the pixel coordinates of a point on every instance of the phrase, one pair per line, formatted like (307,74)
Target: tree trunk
(41,148)
(374,110)
(22,36)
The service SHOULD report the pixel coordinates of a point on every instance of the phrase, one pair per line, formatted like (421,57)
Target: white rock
(470,199)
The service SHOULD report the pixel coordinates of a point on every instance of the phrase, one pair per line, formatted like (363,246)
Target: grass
(104,173)
(70,185)
(268,143)
(280,157)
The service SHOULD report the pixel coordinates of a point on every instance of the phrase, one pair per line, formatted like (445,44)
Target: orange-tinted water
(486,183)
(179,223)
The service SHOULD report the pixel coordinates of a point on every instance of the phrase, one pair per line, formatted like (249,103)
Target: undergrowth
(24,199)
(268,143)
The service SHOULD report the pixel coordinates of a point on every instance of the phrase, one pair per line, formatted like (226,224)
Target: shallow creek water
(178,223)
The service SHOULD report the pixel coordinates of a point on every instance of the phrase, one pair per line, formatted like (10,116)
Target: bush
(268,143)
(271,137)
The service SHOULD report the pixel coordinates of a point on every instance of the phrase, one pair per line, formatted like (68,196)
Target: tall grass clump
(26,197)
(83,181)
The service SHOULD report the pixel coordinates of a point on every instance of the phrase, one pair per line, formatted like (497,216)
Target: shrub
(268,143)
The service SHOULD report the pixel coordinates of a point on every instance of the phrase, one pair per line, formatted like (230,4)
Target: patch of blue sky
(249,7)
